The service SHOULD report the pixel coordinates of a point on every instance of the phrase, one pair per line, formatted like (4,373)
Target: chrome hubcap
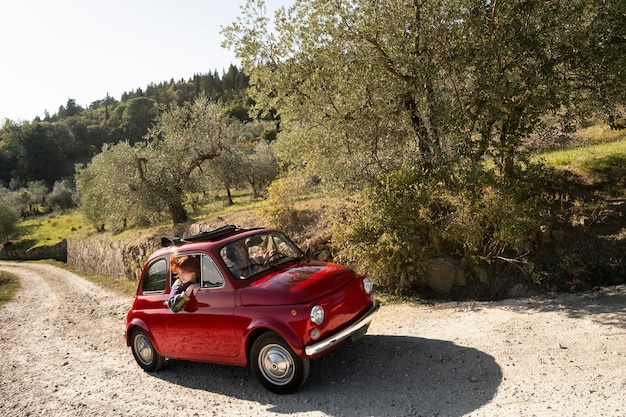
(276,364)
(143,349)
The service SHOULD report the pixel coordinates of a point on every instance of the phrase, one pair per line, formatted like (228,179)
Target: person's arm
(192,289)
(178,297)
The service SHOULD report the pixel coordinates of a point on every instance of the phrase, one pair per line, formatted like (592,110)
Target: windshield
(253,254)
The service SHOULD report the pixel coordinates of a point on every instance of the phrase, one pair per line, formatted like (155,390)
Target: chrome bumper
(362,324)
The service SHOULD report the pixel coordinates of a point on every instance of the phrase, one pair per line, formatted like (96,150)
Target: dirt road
(63,355)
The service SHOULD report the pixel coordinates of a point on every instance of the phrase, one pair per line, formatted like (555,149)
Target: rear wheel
(276,365)
(145,354)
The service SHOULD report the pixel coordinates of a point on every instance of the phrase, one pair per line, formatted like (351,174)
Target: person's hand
(192,290)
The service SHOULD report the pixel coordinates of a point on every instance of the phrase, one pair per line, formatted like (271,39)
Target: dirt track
(63,355)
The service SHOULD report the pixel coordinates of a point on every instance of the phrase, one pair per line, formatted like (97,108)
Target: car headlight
(368,285)
(317,314)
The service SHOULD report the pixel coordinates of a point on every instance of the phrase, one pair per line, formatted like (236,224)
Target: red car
(285,310)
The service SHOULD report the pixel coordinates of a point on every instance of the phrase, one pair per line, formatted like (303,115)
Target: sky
(52,51)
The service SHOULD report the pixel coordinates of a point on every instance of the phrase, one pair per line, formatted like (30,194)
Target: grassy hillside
(601,150)
(50,229)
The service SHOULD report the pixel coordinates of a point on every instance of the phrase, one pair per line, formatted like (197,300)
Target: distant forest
(47,149)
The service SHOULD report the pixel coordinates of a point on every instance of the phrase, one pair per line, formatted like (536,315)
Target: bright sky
(53,50)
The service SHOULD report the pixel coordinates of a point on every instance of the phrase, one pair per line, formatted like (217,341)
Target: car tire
(144,352)
(276,365)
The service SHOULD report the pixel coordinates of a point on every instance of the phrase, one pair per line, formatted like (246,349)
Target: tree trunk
(177,212)
(230,197)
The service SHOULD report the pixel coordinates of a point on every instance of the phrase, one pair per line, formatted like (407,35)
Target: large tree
(423,106)
(38,151)
(371,86)
(127,182)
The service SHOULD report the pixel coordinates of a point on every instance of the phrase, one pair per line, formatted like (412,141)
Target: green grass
(124,287)
(50,229)
(588,159)
(600,134)
(9,284)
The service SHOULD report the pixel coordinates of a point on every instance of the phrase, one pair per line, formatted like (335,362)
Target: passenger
(187,284)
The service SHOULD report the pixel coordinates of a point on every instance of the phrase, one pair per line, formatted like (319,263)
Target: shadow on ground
(602,305)
(377,376)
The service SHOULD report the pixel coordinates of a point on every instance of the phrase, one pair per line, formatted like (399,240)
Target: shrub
(282,195)
(407,218)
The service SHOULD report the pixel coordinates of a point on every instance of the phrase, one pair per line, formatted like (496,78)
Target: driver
(241,264)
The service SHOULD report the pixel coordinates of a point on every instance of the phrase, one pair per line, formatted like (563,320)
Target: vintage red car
(276,317)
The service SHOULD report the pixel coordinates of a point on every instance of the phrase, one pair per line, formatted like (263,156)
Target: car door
(150,305)
(205,327)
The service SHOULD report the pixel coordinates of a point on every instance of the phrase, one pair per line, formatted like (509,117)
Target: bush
(408,217)
(282,195)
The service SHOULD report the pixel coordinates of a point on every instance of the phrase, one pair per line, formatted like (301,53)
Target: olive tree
(127,182)
(9,214)
(248,162)
(373,86)
(423,106)
(62,195)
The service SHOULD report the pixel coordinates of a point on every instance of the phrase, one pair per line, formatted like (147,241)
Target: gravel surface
(564,355)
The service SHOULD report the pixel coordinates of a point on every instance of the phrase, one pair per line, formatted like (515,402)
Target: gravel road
(562,355)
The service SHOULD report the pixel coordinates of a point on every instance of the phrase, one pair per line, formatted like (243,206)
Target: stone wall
(107,255)
(57,252)
(103,255)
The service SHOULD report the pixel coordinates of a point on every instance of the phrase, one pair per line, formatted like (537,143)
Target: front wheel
(276,365)
(146,356)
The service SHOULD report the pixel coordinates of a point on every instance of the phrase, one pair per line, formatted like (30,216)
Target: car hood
(300,283)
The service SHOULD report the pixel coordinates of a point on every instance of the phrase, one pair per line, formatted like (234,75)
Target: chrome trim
(328,343)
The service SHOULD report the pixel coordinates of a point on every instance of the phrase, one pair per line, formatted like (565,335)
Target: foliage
(423,108)
(36,151)
(282,195)
(9,214)
(261,168)
(32,197)
(408,217)
(249,161)
(62,197)
(137,118)
(134,183)
(364,88)
(48,149)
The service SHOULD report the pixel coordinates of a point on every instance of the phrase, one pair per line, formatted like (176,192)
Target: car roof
(209,236)
(205,240)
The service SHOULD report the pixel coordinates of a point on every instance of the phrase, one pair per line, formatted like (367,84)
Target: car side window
(211,276)
(155,278)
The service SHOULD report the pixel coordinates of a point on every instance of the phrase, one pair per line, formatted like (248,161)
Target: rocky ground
(560,355)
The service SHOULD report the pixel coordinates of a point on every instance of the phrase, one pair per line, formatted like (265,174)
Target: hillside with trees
(39,158)
(47,149)
(424,117)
